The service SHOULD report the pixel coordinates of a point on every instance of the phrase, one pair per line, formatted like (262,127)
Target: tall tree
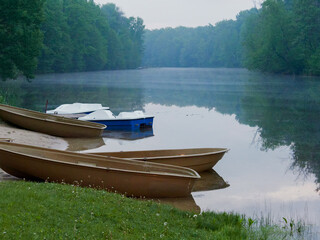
(20,37)
(307,17)
(57,49)
(269,45)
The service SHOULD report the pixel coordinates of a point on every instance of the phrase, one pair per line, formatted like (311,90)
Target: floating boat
(77,108)
(125,120)
(198,159)
(129,177)
(49,124)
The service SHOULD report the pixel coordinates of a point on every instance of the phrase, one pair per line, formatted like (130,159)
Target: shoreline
(22,136)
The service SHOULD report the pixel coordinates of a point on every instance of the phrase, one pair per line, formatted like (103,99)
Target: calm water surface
(270,124)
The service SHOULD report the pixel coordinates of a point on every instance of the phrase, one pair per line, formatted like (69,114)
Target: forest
(283,36)
(44,36)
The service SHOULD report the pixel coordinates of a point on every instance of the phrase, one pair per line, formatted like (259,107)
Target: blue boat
(124,121)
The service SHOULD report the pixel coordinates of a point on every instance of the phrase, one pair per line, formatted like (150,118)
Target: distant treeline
(44,36)
(281,37)
(66,36)
(209,46)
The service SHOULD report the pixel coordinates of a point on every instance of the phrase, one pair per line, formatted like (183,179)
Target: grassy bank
(56,211)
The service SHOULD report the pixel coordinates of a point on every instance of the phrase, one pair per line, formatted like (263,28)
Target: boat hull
(133,179)
(198,159)
(126,124)
(49,124)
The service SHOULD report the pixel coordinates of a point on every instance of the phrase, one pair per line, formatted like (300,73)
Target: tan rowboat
(50,124)
(198,159)
(130,177)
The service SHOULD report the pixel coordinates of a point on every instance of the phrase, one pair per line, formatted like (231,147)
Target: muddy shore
(23,136)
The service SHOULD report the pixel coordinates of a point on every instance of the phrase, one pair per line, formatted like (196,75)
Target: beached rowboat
(130,177)
(50,124)
(198,159)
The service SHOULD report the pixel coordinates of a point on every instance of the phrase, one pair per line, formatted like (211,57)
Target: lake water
(270,124)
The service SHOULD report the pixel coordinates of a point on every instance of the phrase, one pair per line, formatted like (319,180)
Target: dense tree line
(20,37)
(283,36)
(193,47)
(78,35)
(66,35)
(81,36)
(208,46)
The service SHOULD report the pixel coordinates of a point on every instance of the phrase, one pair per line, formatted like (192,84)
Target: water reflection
(129,135)
(82,144)
(270,123)
(286,112)
(96,87)
(210,180)
(285,109)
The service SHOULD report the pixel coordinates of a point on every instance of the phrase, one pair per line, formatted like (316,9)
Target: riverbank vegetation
(56,211)
(82,36)
(283,36)
(43,36)
(20,37)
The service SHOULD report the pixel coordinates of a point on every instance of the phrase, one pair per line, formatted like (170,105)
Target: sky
(189,13)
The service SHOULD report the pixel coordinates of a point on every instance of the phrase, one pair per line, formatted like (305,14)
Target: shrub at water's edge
(57,211)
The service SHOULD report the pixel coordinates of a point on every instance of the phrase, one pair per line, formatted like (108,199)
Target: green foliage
(81,36)
(66,35)
(207,46)
(56,211)
(283,37)
(126,38)
(314,63)
(20,37)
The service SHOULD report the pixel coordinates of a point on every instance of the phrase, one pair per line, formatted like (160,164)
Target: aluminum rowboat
(129,177)
(198,159)
(49,124)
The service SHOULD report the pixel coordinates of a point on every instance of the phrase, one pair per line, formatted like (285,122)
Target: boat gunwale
(114,119)
(68,113)
(225,150)
(68,122)
(195,176)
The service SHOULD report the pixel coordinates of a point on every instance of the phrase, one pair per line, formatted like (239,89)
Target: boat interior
(111,163)
(164,153)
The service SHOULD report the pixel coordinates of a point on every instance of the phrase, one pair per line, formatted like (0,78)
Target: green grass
(31,210)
